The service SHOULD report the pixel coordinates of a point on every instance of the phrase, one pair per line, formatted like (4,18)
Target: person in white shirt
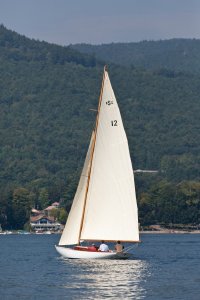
(103,247)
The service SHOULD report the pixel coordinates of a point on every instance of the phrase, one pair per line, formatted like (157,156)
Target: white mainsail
(111,208)
(70,235)
(104,207)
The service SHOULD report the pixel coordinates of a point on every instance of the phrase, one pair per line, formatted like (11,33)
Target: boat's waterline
(76,254)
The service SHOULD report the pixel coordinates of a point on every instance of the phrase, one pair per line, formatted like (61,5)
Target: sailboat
(104,206)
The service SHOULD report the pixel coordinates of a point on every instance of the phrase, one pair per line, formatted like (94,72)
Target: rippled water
(164,267)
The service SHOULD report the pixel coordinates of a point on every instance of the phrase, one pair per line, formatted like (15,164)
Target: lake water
(165,267)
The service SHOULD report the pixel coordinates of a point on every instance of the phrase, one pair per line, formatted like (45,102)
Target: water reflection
(97,279)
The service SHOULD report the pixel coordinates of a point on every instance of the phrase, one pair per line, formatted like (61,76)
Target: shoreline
(173,229)
(167,231)
(164,231)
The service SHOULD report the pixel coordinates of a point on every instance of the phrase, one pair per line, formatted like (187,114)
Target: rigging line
(92,153)
(130,247)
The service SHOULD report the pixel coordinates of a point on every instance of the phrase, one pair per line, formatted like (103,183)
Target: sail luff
(92,153)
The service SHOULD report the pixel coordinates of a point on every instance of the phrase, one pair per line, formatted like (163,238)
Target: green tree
(43,198)
(59,214)
(62,216)
(21,206)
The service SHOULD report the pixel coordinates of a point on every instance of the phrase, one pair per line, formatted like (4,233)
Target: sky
(67,22)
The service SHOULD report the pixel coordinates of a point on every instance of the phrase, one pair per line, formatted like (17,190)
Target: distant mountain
(46,93)
(174,54)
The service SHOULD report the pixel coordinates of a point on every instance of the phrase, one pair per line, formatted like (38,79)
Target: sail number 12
(114,123)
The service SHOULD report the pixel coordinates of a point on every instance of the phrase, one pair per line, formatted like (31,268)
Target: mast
(92,154)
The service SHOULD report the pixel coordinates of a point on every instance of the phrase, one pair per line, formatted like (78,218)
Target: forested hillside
(46,93)
(175,54)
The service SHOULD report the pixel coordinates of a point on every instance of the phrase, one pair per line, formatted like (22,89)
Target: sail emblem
(109,102)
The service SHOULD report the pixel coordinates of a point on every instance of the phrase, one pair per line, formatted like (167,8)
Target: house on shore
(42,221)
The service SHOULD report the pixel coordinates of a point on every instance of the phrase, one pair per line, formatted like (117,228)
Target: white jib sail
(70,235)
(111,208)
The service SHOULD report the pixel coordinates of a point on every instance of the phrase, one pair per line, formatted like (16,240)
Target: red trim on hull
(84,248)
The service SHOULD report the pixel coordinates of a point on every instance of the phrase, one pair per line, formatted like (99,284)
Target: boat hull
(77,254)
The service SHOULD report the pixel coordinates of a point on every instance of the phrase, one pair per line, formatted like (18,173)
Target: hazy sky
(102,21)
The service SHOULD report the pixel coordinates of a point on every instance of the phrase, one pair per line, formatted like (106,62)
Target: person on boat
(119,247)
(103,247)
